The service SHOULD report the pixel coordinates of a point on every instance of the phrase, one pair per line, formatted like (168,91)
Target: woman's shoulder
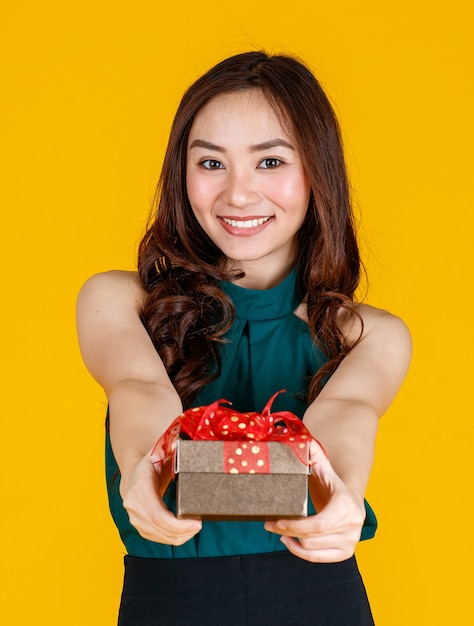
(115,287)
(374,318)
(113,278)
(372,329)
(114,343)
(381,331)
(368,320)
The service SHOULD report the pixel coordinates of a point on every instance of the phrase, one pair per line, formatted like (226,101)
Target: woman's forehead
(248,112)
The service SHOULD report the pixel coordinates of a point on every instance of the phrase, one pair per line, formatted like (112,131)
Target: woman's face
(247,185)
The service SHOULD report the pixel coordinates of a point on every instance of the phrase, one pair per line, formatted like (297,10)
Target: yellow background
(89,90)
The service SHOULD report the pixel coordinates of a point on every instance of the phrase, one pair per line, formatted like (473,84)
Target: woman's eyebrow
(200,143)
(273,143)
(258,147)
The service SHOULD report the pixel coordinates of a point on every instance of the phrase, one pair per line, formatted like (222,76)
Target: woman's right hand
(142,494)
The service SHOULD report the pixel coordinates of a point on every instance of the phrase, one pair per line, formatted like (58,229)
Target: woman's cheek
(201,193)
(285,193)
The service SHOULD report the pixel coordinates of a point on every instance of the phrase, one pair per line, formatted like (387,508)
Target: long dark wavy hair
(180,268)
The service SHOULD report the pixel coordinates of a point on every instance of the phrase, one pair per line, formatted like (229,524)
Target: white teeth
(246,223)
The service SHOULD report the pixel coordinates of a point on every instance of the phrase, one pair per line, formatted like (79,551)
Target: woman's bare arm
(120,355)
(344,418)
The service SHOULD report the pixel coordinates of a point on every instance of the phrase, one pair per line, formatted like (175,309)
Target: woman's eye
(211,164)
(268,164)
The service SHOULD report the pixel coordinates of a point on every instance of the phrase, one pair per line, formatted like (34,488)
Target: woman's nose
(240,190)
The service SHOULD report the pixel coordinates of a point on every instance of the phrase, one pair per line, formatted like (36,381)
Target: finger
(332,554)
(321,465)
(314,525)
(164,527)
(158,536)
(318,454)
(153,517)
(338,516)
(292,528)
(166,522)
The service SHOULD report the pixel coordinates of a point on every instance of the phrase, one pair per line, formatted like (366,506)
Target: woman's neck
(261,275)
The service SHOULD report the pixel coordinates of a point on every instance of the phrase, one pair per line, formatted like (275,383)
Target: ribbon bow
(218,423)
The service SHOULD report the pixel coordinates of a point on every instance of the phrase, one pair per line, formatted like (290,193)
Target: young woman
(245,285)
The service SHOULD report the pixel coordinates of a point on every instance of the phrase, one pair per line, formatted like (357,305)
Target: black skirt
(251,590)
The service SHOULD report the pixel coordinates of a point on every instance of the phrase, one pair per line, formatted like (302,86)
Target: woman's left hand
(333,533)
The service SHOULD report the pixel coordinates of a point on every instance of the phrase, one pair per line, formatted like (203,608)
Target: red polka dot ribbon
(220,423)
(245,457)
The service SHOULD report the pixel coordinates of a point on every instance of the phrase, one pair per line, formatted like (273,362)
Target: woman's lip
(250,225)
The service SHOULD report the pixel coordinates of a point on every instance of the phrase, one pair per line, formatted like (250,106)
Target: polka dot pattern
(245,458)
(222,423)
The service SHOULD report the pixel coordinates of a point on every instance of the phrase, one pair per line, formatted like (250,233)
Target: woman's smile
(247,226)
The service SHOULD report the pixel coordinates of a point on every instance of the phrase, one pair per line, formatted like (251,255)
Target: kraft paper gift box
(241,480)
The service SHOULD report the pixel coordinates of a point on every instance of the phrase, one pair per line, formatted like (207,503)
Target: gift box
(235,480)
(237,466)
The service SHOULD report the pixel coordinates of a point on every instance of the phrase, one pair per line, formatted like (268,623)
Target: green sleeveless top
(268,349)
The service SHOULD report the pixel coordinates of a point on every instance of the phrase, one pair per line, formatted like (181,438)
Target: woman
(245,285)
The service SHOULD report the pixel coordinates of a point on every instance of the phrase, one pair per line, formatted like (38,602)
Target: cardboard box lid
(208,457)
